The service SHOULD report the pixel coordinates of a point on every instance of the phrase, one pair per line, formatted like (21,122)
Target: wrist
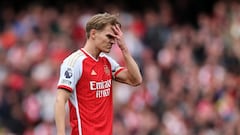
(123,47)
(124,50)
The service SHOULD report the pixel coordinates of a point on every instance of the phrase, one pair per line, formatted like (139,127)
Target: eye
(109,36)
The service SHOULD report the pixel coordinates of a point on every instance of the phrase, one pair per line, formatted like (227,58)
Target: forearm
(60,117)
(132,76)
(133,69)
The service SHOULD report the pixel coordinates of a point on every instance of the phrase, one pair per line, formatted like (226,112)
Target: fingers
(110,35)
(117,30)
(117,27)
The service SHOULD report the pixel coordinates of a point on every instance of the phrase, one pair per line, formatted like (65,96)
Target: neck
(92,50)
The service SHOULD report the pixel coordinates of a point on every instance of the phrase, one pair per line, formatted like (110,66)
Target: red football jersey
(90,82)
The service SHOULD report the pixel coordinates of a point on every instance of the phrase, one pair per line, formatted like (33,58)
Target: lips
(111,44)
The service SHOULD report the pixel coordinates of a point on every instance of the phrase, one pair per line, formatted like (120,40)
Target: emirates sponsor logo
(102,93)
(94,85)
(101,88)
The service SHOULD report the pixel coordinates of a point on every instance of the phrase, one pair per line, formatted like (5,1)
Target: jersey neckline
(88,54)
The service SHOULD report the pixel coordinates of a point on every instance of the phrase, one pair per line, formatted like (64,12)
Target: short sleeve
(70,73)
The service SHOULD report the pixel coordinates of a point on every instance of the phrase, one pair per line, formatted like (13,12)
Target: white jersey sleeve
(70,71)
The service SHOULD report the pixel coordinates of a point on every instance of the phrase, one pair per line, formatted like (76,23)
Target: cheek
(101,42)
(102,39)
(105,40)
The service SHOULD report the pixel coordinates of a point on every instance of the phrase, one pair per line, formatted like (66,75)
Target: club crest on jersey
(68,73)
(106,70)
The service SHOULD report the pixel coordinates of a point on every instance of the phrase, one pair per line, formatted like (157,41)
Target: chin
(106,50)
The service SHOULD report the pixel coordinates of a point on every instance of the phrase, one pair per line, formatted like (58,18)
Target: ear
(93,34)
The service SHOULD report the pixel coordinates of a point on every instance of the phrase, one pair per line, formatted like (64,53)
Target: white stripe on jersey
(78,114)
(75,61)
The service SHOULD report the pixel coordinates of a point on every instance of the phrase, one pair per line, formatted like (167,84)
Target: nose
(112,41)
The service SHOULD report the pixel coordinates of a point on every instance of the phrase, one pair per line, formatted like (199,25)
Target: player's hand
(119,39)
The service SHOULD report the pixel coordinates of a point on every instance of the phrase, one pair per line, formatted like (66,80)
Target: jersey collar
(88,54)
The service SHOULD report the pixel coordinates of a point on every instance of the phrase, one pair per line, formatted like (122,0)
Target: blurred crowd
(191,73)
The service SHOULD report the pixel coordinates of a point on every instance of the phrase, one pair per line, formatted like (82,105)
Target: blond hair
(99,21)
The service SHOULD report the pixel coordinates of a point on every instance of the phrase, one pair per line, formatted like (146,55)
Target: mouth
(110,45)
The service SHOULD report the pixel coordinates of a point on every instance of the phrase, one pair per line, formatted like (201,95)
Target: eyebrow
(110,36)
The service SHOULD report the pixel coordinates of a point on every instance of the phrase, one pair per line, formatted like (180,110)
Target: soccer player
(86,79)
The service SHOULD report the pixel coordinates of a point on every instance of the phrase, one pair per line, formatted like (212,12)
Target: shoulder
(112,61)
(72,59)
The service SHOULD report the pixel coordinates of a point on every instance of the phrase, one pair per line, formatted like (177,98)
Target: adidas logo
(93,72)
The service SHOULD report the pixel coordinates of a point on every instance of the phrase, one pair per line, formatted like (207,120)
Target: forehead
(108,29)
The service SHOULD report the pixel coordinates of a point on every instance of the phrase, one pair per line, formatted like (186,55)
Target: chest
(97,70)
